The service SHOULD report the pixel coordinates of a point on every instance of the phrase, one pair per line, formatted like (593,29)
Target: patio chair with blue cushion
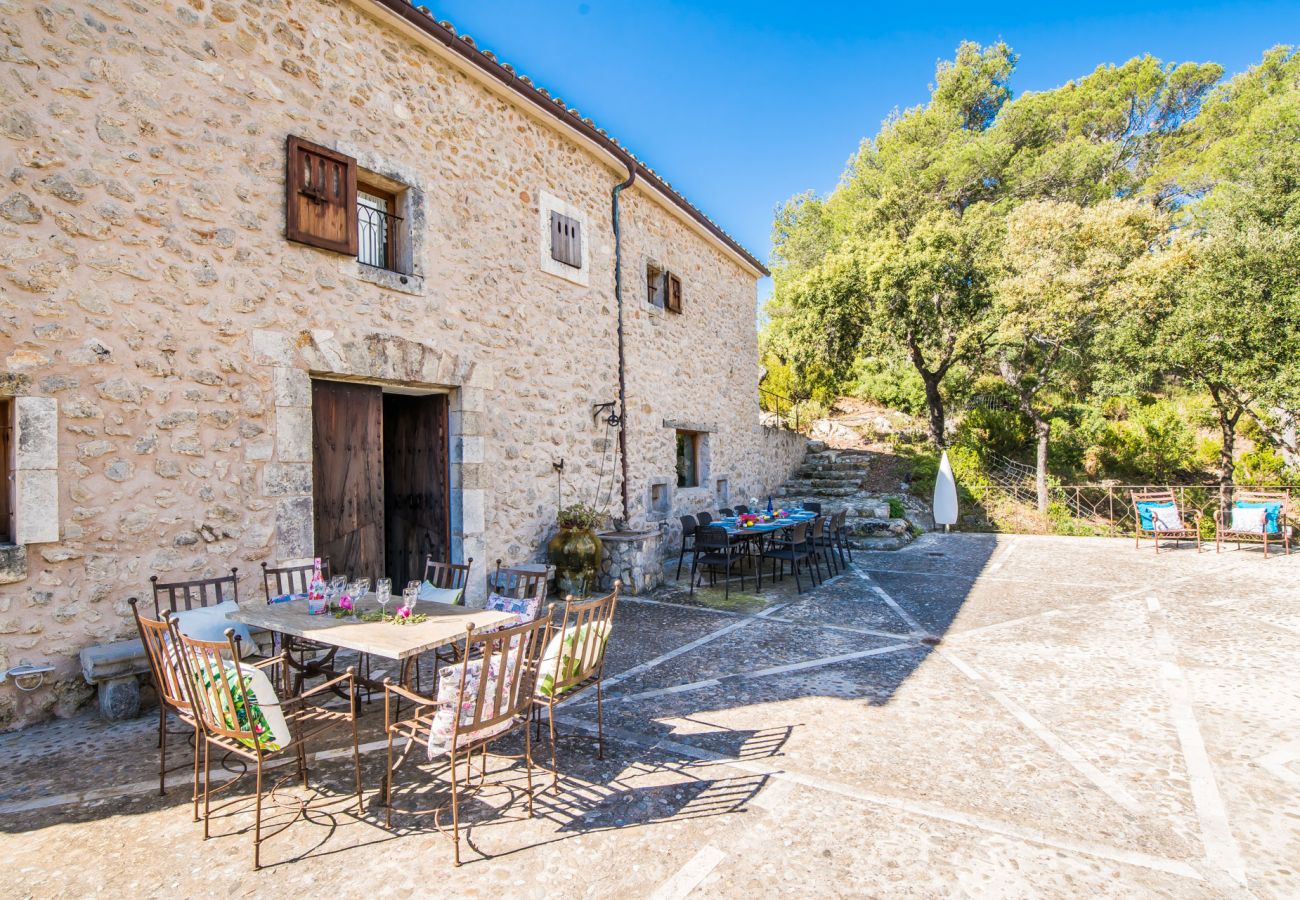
(1255,516)
(1157,515)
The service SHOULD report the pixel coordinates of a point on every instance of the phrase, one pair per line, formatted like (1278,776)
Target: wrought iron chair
(448,576)
(278,581)
(471,710)
(704,519)
(234,720)
(689,525)
(742,510)
(1178,530)
(726,512)
(794,546)
(1277,527)
(177,595)
(715,548)
(812,506)
(155,635)
(574,661)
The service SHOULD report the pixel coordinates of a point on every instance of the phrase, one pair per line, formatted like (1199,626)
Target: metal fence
(1102,508)
(784,408)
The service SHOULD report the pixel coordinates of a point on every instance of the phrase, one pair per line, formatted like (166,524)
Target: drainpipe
(622,359)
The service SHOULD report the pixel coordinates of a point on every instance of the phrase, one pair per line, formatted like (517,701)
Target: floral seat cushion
(568,654)
(442,731)
(256,706)
(524,608)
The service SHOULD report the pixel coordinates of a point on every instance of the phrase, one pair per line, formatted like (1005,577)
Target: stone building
(298,276)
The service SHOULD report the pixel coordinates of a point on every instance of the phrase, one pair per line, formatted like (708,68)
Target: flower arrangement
(577,515)
(748,520)
(401,616)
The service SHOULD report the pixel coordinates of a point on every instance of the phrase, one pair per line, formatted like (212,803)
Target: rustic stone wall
(147,289)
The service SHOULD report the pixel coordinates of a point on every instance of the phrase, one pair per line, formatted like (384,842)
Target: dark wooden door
(348,476)
(416,483)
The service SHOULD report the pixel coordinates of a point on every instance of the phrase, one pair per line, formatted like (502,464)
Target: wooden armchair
(1276,529)
(1156,528)
(575,661)
(479,700)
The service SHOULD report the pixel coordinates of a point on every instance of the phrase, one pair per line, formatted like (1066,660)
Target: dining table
(403,644)
(758,531)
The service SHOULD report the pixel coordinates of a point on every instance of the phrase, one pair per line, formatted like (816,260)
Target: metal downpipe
(622,358)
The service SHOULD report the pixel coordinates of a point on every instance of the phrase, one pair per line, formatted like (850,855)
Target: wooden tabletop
(444,625)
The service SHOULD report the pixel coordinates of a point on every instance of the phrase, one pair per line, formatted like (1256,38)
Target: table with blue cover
(760,530)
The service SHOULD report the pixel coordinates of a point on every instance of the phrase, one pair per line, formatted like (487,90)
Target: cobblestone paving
(1013,716)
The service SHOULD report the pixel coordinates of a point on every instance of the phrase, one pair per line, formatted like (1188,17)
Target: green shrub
(1154,444)
(1262,467)
(896,508)
(892,384)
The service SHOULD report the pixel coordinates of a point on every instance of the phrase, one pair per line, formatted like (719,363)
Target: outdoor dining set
(252,683)
(805,539)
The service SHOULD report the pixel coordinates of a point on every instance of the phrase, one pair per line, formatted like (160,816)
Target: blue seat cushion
(1271,517)
(1146,508)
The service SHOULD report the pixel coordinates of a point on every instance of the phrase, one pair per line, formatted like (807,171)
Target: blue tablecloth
(794,518)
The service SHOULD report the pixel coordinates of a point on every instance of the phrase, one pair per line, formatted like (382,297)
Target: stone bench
(115,670)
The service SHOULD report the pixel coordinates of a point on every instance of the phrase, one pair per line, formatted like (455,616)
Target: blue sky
(742,104)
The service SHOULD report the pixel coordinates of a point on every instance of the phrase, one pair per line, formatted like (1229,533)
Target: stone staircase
(837,480)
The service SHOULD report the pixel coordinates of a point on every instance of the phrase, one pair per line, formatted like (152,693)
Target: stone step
(796,491)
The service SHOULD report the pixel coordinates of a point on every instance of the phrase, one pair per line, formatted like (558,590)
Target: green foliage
(1263,467)
(889,383)
(577,515)
(1155,442)
(896,508)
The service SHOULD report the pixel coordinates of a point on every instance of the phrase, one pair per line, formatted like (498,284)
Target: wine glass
(410,595)
(383,593)
(338,584)
(358,592)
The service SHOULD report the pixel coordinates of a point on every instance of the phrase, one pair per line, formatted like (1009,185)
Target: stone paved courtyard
(974,715)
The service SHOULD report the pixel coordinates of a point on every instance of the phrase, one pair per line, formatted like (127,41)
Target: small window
(566,240)
(6,473)
(377,227)
(654,284)
(724,492)
(663,288)
(688,459)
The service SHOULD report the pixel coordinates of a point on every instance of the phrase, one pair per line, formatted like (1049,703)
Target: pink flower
(345,603)
(403,612)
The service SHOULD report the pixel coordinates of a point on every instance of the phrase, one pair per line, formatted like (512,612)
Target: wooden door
(416,483)
(348,476)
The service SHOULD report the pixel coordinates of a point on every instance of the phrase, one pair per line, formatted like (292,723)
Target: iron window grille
(376,231)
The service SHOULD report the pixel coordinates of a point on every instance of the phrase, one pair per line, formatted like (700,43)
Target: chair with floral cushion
(1255,517)
(470,710)
(241,714)
(573,662)
(1157,515)
(503,586)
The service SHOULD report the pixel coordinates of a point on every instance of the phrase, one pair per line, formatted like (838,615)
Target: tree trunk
(1228,430)
(1043,429)
(934,400)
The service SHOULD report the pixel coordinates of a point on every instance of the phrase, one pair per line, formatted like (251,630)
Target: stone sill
(385,278)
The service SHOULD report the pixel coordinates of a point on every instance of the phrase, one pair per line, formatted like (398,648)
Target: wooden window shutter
(673,298)
(321,197)
(566,240)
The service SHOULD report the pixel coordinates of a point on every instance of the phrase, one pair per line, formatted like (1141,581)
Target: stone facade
(151,304)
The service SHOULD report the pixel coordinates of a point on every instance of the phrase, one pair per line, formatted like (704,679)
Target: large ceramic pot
(575,553)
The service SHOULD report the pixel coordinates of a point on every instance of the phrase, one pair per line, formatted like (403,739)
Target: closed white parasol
(945,494)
